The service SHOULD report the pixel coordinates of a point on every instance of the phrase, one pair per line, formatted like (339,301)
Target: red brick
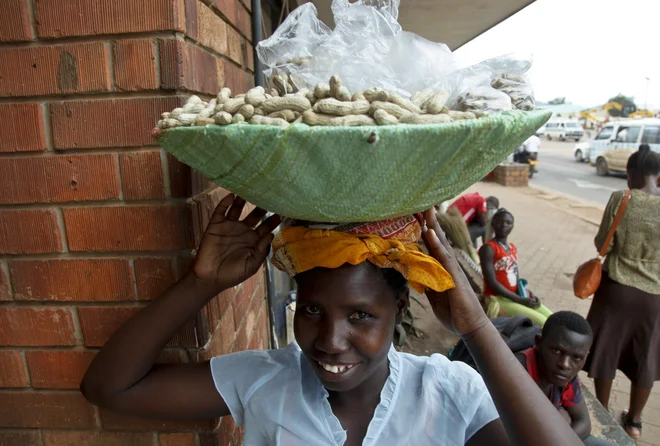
(36,327)
(113,421)
(180,439)
(128,228)
(56,410)
(225,431)
(21,128)
(244,22)
(180,178)
(12,370)
(234,45)
(16,22)
(237,436)
(135,65)
(4,286)
(220,305)
(141,175)
(95,438)
(54,17)
(238,80)
(211,30)
(58,179)
(223,338)
(250,58)
(55,69)
(241,342)
(241,303)
(99,323)
(185,66)
(153,277)
(72,280)
(50,369)
(29,232)
(228,9)
(20,438)
(107,123)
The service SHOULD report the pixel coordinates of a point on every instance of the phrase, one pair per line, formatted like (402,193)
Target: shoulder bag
(588,275)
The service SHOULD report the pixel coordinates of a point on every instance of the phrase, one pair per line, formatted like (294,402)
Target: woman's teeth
(336,368)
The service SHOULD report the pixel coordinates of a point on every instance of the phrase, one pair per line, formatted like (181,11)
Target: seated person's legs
(476,230)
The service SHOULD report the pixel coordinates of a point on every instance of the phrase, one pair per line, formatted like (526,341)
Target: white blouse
(277,395)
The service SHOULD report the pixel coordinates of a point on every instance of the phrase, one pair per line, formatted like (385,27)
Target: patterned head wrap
(301,246)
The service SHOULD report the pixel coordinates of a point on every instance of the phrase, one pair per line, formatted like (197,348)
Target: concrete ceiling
(454,22)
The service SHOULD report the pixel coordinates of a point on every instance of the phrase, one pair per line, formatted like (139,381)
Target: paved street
(559,172)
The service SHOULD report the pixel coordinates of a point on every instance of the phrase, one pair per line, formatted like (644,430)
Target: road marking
(589,185)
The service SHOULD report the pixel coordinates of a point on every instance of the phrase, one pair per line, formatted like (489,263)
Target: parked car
(564,129)
(624,138)
(541,131)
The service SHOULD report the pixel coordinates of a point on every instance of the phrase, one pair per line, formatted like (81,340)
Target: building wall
(96,220)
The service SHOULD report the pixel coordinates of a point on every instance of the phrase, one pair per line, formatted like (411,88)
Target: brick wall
(511,175)
(95,220)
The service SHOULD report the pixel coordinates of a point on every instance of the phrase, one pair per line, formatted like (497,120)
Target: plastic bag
(483,100)
(367,48)
(509,77)
(295,40)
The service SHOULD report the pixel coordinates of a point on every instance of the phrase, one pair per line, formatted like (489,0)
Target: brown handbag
(588,275)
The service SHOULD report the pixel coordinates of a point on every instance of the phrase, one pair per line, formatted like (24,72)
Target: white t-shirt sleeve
(469,395)
(238,376)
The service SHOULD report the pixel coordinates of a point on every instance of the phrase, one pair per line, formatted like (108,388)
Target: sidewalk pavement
(554,235)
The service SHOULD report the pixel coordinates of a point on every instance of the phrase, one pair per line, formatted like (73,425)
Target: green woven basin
(351,174)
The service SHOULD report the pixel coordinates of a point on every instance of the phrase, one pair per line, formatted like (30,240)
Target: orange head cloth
(387,244)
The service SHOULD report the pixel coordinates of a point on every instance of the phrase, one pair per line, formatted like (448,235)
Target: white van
(624,138)
(564,129)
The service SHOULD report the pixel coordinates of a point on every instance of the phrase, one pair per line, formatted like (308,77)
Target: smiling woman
(342,383)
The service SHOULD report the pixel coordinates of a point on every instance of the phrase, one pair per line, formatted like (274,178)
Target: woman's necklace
(505,246)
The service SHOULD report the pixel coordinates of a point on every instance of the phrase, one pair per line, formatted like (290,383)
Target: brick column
(96,220)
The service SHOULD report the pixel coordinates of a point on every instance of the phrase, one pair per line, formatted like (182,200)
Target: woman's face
(344,322)
(503,225)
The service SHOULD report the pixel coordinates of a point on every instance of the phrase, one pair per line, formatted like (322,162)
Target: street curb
(571,198)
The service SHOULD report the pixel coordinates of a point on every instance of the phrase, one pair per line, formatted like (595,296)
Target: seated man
(474,209)
(554,363)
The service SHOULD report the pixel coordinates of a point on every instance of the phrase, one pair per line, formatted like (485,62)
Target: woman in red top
(499,264)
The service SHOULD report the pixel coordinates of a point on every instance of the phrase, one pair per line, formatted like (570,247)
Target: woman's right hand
(232,251)
(532,301)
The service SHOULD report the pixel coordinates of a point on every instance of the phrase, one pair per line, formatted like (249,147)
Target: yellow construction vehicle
(642,114)
(589,114)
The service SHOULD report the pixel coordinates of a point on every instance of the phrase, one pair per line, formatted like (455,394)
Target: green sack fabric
(351,174)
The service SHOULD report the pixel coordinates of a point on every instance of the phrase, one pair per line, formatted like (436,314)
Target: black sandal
(628,423)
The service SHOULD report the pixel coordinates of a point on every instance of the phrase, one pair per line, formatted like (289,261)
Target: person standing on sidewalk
(625,311)
(474,209)
(499,264)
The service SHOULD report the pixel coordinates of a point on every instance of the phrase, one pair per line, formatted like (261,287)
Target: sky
(585,50)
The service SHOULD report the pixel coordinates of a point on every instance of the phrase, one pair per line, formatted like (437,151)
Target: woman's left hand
(459,308)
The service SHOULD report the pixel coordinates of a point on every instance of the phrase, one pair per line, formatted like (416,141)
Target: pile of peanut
(328,105)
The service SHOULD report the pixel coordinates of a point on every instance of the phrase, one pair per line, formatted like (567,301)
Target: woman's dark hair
(395,280)
(501,212)
(644,161)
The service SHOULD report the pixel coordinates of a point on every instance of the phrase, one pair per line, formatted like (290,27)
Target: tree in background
(628,104)
(558,101)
